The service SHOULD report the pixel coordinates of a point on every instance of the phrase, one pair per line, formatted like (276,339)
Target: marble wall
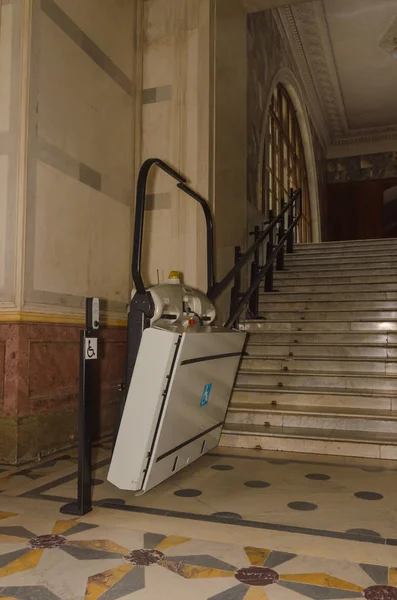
(81,153)
(362,168)
(175,113)
(194,117)
(11,100)
(230,136)
(68,102)
(321,176)
(39,379)
(268,54)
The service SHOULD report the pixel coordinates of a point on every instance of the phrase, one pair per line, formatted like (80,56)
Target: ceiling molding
(388,38)
(312,30)
(306,29)
(298,58)
(361,148)
(368,135)
(251,6)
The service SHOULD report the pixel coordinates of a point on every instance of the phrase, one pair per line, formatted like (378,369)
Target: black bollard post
(88,354)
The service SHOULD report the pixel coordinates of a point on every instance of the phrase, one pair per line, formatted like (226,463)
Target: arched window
(285,166)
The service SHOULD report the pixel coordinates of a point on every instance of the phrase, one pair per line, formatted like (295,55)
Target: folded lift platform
(176,403)
(180,367)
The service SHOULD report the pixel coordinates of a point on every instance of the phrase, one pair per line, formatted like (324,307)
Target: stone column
(194,117)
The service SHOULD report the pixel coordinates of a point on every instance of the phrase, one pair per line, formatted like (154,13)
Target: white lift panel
(176,404)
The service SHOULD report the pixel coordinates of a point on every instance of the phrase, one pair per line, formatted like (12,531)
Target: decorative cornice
(388,38)
(312,27)
(367,135)
(306,28)
(297,56)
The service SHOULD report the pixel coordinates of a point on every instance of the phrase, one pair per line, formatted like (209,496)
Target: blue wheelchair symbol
(206,394)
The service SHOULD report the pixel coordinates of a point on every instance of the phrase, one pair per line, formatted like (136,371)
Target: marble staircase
(319,373)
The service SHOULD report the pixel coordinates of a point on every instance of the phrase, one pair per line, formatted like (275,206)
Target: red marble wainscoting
(39,378)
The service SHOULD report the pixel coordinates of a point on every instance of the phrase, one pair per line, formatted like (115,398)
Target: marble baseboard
(8,441)
(39,378)
(29,438)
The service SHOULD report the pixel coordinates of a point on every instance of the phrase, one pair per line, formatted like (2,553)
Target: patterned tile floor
(268,490)
(235,525)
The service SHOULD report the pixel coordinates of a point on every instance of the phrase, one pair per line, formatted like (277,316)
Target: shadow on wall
(390,212)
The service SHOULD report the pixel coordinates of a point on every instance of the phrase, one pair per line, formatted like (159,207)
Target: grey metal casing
(168,420)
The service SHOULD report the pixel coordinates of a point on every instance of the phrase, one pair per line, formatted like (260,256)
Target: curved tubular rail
(140,216)
(259,278)
(220,287)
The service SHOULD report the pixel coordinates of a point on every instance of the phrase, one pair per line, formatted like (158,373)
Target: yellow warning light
(173,275)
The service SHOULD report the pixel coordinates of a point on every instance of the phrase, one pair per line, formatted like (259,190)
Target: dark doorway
(360,210)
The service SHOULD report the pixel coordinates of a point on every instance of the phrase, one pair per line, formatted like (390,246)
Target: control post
(88,356)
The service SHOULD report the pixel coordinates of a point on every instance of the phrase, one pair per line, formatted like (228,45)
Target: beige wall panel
(3,217)
(6,26)
(81,239)
(81,109)
(157,234)
(158,64)
(156,132)
(159,20)
(230,130)
(108,23)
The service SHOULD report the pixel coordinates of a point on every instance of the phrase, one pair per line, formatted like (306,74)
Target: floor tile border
(301,462)
(39,494)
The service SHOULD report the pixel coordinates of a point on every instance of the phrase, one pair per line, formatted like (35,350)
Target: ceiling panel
(367,73)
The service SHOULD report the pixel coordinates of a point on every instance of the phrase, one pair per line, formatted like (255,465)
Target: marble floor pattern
(235,525)
(292,492)
(70,559)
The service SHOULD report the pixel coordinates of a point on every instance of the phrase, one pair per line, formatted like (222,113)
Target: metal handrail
(220,287)
(260,276)
(140,217)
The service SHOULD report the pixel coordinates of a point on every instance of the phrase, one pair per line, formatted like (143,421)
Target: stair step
(349,243)
(295,260)
(329,296)
(321,350)
(314,362)
(315,441)
(305,379)
(295,338)
(335,287)
(320,279)
(324,326)
(336,273)
(341,419)
(327,315)
(325,263)
(357,251)
(358,259)
(327,305)
(380,366)
(336,265)
(317,397)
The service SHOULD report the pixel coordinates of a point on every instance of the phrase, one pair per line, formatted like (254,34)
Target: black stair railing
(291,213)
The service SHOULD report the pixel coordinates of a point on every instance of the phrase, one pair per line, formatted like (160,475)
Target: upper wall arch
(287,78)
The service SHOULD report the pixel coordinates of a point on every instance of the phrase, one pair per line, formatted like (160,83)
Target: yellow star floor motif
(7,515)
(29,556)
(265,575)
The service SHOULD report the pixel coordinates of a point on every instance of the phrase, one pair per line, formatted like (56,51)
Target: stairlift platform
(176,403)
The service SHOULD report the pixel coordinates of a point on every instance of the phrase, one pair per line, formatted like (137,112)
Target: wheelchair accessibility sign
(90,348)
(206,394)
